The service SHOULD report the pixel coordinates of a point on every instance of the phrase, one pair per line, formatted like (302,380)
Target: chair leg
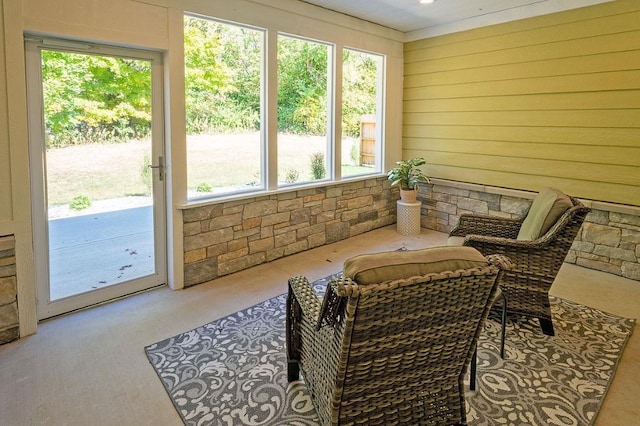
(504,323)
(547,326)
(293,337)
(472,373)
(293,371)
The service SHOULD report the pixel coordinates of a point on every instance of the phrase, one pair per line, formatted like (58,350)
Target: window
(361,113)
(223,98)
(226,110)
(303,89)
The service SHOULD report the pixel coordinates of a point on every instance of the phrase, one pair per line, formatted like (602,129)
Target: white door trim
(46,308)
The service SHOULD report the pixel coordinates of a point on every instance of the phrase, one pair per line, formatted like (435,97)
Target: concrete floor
(96,250)
(89,368)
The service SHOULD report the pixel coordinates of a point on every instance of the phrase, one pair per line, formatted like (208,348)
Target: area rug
(233,371)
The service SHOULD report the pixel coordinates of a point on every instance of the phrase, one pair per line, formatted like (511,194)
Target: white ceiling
(445,16)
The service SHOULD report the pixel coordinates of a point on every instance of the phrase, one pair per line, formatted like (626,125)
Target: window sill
(265,193)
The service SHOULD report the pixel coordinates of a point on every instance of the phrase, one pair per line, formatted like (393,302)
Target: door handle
(160,168)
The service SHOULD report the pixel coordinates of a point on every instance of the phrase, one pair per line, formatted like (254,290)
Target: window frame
(380,111)
(262,182)
(330,157)
(269,125)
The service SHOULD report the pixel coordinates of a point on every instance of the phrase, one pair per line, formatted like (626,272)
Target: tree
(95,98)
(91,98)
(359,89)
(302,86)
(222,76)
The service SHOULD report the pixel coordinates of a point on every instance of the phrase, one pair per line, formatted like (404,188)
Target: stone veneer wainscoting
(9,326)
(609,240)
(228,236)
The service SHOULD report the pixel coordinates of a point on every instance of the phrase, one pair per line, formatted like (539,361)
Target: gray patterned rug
(233,371)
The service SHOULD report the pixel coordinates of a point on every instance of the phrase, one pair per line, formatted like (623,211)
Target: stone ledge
(614,208)
(7,242)
(280,193)
(217,243)
(609,240)
(9,322)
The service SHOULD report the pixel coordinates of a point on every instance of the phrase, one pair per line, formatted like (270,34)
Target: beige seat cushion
(379,267)
(545,211)
(455,241)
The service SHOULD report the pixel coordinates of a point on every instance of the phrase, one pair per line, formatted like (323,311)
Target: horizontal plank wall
(547,101)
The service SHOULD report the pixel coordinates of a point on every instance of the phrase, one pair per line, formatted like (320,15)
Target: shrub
(318,170)
(204,187)
(355,152)
(292,176)
(146,173)
(80,202)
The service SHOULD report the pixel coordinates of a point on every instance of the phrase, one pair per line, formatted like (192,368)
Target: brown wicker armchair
(536,261)
(384,350)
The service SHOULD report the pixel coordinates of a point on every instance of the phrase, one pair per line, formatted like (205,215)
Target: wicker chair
(537,261)
(384,351)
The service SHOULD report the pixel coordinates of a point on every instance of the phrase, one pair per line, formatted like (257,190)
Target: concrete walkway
(97,250)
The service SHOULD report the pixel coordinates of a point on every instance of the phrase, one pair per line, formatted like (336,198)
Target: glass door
(96,147)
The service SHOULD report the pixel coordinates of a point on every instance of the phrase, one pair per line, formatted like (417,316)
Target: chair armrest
(338,290)
(513,244)
(309,302)
(501,261)
(523,255)
(303,306)
(326,312)
(487,225)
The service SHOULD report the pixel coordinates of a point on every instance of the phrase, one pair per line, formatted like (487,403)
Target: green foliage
(318,170)
(407,174)
(80,202)
(292,176)
(302,86)
(355,152)
(359,88)
(222,76)
(91,98)
(204,187)
(146,173)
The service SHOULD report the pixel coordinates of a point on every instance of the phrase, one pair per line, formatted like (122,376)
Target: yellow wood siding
(548,101)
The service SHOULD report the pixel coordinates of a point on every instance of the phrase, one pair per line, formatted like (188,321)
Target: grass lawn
(100,171)
(109,171)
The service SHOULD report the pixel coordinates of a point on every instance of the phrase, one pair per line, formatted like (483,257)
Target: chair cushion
(386,266)
(455,241)
(545,210)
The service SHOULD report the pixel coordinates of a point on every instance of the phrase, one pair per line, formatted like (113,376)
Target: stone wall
(229,236)
(9,326)
(609,240)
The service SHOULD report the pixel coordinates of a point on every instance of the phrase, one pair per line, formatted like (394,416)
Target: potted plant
(407,174)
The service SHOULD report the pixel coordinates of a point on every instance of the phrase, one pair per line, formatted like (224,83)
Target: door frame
(37,166)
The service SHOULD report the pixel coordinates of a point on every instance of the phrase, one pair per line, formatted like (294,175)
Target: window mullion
(336,115)
(271,111)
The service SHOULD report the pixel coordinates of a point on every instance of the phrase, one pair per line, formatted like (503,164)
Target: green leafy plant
(355,152)
(146,173)
(318,170)
(80,202)
(407,173)
(204,187)
(292,176)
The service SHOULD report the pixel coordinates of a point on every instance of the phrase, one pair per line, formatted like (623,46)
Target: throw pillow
(545,210)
